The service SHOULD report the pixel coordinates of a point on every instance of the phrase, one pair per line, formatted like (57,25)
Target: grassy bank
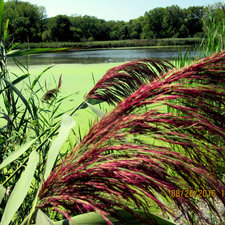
(115,44)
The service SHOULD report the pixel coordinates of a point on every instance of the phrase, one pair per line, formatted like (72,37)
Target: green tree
(172,21)
(135,29)
(59,28)
(26,21)
(115,32)
(102,29)
(90,27)
(194,20)
(76,33)
(152,23)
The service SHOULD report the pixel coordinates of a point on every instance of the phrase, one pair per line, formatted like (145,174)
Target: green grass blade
(63,98)
(17,80)
(13,46)
(16,154)
(2,192)
(25,220)
(23,120)
(94,218)
(44,120)
(55,110)
(43,219)
(20,95)
(20,190)
(97,111)
(20,65)
(1,17)
(39,76)
(6,30)
(67,124)
(79,134)
(91,101)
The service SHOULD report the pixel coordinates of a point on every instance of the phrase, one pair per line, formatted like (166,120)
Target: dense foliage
(28,23)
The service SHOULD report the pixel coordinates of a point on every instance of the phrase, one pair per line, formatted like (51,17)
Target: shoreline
(115,44)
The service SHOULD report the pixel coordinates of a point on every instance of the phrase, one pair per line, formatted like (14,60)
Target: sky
(111,9)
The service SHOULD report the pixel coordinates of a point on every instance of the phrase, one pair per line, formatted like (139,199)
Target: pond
(102,56)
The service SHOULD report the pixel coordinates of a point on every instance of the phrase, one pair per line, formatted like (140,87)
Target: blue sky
(111,9)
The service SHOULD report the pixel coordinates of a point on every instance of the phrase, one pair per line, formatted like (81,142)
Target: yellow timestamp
(188,193)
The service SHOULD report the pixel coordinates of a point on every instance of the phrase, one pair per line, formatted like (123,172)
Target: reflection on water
(100,56)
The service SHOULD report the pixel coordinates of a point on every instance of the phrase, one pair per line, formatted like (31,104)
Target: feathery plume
(121,81)
(168,135)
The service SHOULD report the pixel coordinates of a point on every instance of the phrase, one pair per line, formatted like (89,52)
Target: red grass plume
(50,94)
(121,81)
(168,135)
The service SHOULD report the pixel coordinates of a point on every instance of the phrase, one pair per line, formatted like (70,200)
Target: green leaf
(20,95)
(17,80)
(38,77)
(2,192)
(94,218)
(1,17)
(91,101)
(6,29)
(25,220)
(20,190)
(20,65)
(98,112)
(13,46)
(43,219)
(67,124)
(16,154)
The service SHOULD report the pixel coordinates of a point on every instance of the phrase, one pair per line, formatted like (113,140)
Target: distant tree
(59,28)
(135,29)
(172,21)
(29,23)
(115,31)
(194,20)
(123,32)
(90,28)
(46,36)
(26,21)
(183,31)
(152,23)
(76,33)
(103,30)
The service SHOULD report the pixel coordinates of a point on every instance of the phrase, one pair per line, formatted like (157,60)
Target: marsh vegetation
(157,128)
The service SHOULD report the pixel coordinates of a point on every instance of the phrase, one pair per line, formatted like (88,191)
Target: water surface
(101,56)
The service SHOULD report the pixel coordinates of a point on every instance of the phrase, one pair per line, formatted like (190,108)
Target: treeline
(29,23)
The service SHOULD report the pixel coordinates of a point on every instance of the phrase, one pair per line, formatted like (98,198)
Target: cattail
(168,135)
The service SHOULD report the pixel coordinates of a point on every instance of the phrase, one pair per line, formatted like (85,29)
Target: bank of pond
(116,43)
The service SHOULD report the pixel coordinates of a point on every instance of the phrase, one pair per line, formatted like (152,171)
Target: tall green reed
(214,36)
